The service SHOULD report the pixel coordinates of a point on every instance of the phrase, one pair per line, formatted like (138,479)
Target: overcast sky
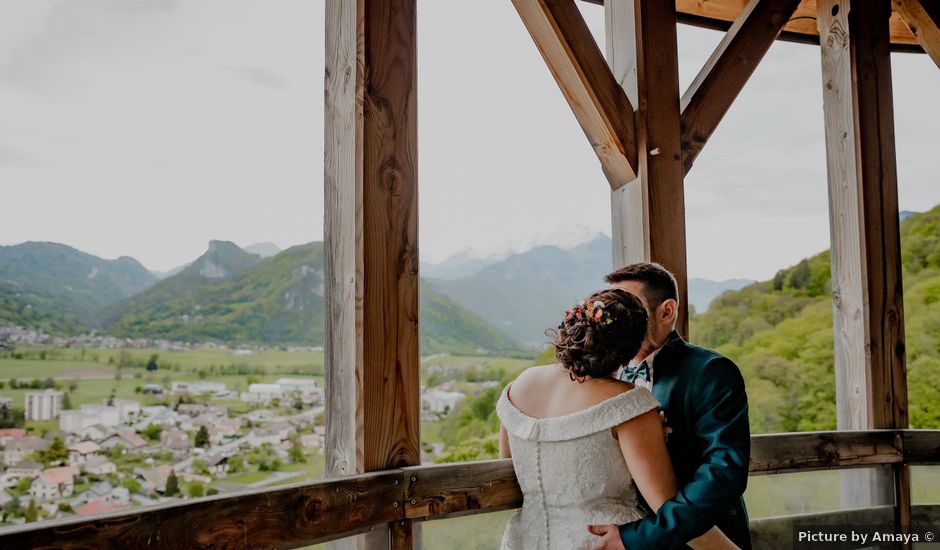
(149,127)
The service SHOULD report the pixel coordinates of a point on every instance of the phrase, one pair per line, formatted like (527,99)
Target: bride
(580,439)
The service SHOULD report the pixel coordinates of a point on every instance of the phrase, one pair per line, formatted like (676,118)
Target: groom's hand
(609,537)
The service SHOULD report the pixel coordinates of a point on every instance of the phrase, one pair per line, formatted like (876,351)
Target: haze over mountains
(260,294)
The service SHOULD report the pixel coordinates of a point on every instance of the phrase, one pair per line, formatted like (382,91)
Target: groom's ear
(668,311)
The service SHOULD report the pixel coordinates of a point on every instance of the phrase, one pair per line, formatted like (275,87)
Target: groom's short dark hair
(660,284)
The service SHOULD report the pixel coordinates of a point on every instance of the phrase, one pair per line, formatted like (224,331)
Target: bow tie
(631,373)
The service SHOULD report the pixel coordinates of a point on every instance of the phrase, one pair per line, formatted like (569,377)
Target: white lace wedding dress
(571,472)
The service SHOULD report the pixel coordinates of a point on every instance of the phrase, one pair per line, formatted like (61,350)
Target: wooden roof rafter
(596,98)
(923,19)
(728,69)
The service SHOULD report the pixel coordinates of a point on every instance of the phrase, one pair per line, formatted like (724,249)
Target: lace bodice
(571,471)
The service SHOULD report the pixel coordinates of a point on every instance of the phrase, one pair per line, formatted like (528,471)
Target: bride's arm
(504,451)
(644,450)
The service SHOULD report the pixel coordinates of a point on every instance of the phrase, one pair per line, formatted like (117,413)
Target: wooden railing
(308,513)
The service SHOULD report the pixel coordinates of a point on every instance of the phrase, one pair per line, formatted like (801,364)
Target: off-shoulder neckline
(583,412)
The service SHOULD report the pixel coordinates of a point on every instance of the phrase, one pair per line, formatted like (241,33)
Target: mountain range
(266,295)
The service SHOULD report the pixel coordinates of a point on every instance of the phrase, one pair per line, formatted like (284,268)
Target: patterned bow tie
(631,373)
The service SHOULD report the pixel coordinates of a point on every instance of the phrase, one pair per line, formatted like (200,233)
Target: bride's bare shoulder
(534,378)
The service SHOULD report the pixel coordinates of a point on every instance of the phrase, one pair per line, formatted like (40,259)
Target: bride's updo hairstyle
(600,334)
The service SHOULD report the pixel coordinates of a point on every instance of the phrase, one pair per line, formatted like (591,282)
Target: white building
(6,402)
(77,420)
(54,483)
(302,385)
(262,393)
(127,409)
(44,405)
(439,401)
(198,388)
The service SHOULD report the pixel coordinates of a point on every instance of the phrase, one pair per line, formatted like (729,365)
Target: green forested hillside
(277,300)
(60,289)
(780,333)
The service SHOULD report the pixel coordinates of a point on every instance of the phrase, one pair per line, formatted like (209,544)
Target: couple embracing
(629,408)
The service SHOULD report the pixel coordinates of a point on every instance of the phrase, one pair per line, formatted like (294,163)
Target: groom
(705,418)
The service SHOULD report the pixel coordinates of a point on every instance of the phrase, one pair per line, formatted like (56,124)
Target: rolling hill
(780,333)
(61,289)
(229,295)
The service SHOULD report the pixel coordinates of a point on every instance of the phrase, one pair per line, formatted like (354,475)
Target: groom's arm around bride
(703,396)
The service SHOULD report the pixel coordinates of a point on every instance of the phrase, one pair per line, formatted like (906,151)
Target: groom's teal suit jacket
(702,395)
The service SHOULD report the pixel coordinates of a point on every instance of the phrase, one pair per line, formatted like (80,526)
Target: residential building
(44,405)
(18,449)
(128,439)
(80,452)
(439,401)
(77,420)
(262,393)
(127,409)
(54,483)
(175,439)
(259,436)
(301,385)
(9,434)
(198,388)
(100,466)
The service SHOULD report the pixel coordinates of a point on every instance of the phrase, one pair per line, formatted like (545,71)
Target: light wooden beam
(871,379)
(648,216)
(598,102)
(728,69)
(372,361)
(923,18)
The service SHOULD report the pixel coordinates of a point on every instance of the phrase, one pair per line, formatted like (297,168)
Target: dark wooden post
(871,379)
(648,215)
(371,232)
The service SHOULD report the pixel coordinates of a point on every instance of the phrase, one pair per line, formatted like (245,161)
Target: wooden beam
(629,215)
(778,453)
(288,517)
(923,18)
(452,490)
(372,370)
(871,380)
(599,104)
(728,69)
(302,514)
(648,218)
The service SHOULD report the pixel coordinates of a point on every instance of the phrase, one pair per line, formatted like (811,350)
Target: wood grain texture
(598,102)
(871,386)
(720,15)
(629,215)
(922,17)
(922,446)
(302,514)
(390,358)
(647,218)
(342,234)
(728,69)
(824,450)
(451,490)
(658,137)
(288,517)
(371,233)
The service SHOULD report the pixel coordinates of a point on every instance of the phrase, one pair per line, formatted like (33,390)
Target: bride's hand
(610,537)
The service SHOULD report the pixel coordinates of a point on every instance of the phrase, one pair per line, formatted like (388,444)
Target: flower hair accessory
(595,313)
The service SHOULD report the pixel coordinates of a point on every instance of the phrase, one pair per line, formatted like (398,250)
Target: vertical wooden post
(648,214)
(871,379)
(371,250)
